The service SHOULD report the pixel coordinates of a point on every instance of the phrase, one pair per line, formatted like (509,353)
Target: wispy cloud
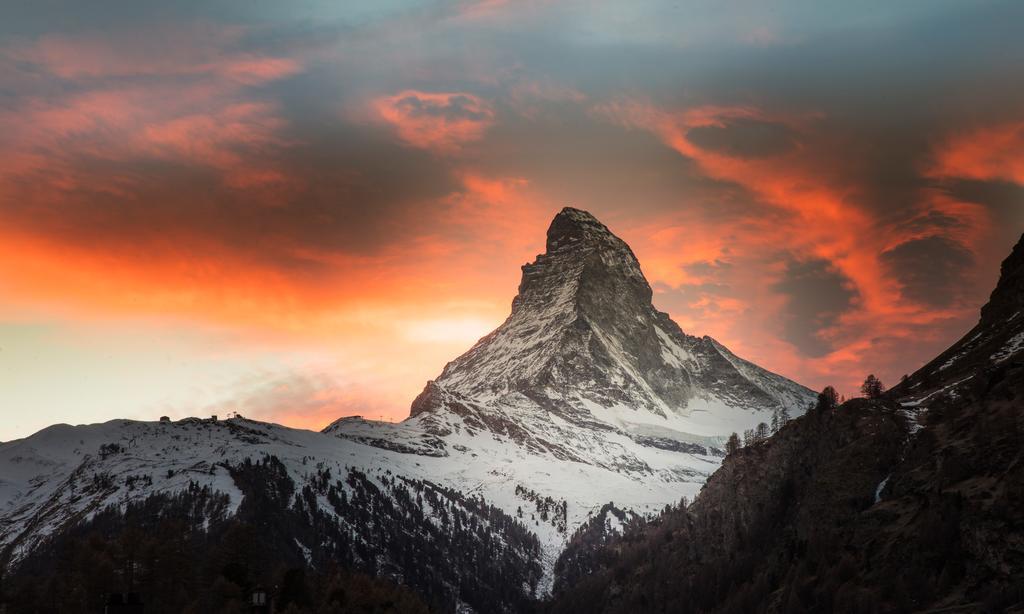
(439,121)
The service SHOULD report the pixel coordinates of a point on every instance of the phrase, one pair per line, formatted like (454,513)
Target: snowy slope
(344,494)
(62,474)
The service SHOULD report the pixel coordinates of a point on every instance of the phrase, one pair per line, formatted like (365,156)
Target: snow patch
(881,487)
(965,349)
(1014,345)
(306,552)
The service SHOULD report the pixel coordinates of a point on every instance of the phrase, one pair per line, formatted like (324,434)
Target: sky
(299,211)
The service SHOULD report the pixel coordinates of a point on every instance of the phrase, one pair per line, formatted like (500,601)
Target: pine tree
(828,400)
(872,387)
(776,421)
(733,444)
(761,433)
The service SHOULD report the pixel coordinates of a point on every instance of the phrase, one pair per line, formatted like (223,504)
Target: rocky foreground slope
(910,502)
(586,394)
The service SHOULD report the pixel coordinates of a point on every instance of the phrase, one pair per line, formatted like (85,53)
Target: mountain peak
(571,225)
(582,256)
(585,339)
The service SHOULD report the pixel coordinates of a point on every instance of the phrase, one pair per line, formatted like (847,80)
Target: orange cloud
(990,152)
(438,121)
(49,142)
(213,139)
(391,321)
(198,50)
(83,238)
(174,93)
(821,220)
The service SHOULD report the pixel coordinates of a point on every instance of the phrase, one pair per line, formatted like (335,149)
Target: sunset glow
(300,213)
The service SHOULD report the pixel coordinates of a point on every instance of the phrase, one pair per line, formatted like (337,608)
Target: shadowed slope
(912,502)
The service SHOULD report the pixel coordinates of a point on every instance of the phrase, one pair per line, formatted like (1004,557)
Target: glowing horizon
(303,213)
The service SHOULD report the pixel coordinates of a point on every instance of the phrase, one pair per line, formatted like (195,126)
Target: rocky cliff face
(912,502)
(995,340)
(1007,298)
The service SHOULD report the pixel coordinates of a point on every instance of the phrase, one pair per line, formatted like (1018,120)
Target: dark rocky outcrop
(911,502)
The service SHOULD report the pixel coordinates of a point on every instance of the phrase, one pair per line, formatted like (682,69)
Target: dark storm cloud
(363,190)
(1003,200)
(881,95)
(578,158)
(932,270)
(932,220)
(816,295)
(1003,197)
(743,138)
(455,107)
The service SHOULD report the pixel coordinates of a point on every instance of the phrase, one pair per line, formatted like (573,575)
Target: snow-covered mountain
(585,350)
(586,394)
(317,501)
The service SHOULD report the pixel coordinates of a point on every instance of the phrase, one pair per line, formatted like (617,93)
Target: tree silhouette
(872,387)
(828,400)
